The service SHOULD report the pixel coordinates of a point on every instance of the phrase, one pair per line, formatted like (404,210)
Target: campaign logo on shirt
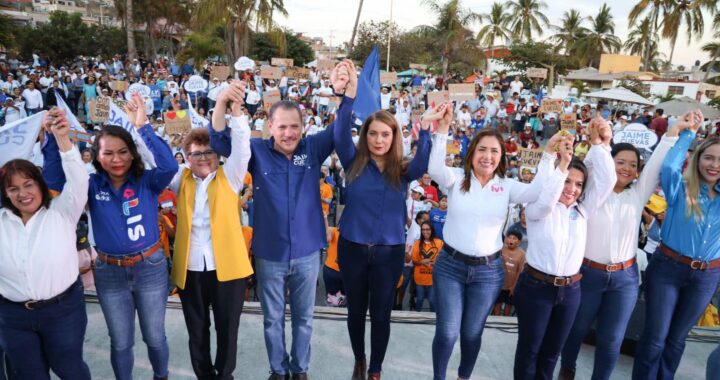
(574,215)
(128,193)
(102,196)
(299,160)
(496,189)
(128,205)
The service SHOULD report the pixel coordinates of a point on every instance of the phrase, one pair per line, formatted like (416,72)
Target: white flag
(120,118)
(74,123)
(18,138)
(196,120)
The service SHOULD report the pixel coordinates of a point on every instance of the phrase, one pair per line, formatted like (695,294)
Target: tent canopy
(409,73)
(620,94)
(679,106)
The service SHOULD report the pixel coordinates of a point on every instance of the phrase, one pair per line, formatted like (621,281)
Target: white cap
(418,189)
(624,117)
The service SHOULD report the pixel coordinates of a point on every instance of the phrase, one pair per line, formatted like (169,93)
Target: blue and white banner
(74,123)
(196,120)
(120,118)
(18,138)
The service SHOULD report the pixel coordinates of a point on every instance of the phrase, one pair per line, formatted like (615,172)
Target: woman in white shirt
(42,307)
(547,295)
(610,273)
(252,99)
(468,273)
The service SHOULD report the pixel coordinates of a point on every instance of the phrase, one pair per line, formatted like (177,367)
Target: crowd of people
(392,215)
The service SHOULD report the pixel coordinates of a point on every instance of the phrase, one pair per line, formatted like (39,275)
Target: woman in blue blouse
(371,249)
(683,274)
(131,270)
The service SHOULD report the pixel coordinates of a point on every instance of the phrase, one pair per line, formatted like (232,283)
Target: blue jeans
(49,338)
(545,315)
(300,277)
(424,293)
(713,365)
(464,297)
(123,291)
(676,296)
(610,298)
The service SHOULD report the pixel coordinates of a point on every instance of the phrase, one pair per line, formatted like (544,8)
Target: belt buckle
(611,268)
(697,264)
(28,305)
(125,262)
(560,281)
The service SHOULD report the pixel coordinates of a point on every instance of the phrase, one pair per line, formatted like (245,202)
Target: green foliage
(200,46)
(581,87)
(264,48)
(634,85)
(536,54)
(8,29)
(406,47)
(65,37)
(715,102)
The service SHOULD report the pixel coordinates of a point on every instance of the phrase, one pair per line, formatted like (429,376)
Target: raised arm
(237,164)
(342,133)
(671,171)
(601,182)
(440,173)
(650,177)
(553,185)
(344,80)
(526,193)
(419,164)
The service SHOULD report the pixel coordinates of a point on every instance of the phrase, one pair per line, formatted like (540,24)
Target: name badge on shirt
(574,214)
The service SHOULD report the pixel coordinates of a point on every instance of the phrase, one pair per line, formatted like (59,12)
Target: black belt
(470,260)
(35,305)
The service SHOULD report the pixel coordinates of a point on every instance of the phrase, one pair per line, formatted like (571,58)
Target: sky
(333,20)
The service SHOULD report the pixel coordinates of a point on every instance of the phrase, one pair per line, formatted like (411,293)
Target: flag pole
(387,65)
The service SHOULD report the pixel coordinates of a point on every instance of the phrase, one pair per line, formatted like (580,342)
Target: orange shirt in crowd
(247,181)
(167,201)
(248,235)
(331,260)
(326,192)
(423,274)
(164,236)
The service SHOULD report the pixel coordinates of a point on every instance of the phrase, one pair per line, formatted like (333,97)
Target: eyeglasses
(209,154)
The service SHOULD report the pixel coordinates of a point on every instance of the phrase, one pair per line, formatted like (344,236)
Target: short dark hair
(516,233)
(286,105)
(26,169)
(660,111)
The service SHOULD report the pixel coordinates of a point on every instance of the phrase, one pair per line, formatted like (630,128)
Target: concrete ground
(408,355)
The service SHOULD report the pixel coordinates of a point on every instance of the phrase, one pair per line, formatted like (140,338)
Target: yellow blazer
(231,255)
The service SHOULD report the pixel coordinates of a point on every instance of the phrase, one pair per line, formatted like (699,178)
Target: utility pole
(357,19)
(387,66)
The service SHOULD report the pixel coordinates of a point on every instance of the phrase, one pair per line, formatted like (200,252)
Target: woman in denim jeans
(468,273)
(610,273)
(131,270)
(683,274)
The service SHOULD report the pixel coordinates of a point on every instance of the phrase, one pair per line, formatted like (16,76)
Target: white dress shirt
(557,233)
(613,229)
(33,99)
(39,259)
(475,219)
(202,255)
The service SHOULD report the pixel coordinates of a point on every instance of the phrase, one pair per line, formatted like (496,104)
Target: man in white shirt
(620,125)
(516,85)
(214,90)
(491,106)
(33,99)
(385,97)
(46,82)
(324,94)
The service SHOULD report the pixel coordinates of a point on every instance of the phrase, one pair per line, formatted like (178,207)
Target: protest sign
(270,98)
(80,136)
(196,83)
(177,122)
(636,134)
(287,62)
(388,77)
(551,105)
(220,72)
(18,137)
(269,72)
(297,73)
(529,157)
(325,64)
(535,72)
(418,66)
(99,109)
(120,85)
(436,97)
(462,91)
(568,121)
(140,88)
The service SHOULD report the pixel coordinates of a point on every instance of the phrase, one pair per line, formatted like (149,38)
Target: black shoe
(360,370)
(566,374)
(299,376)
(276,376)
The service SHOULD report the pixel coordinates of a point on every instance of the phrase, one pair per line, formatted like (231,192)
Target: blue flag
(367,100)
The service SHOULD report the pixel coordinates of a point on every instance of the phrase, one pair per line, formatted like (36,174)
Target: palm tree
(357,18)
(600,38)
(654,9)
(713,47)
(199,47)
(528,18)
(130,30)
(571,30)
(496,27)
(581,87)
(679,12)
(237,16)
(451,30)
(637,40)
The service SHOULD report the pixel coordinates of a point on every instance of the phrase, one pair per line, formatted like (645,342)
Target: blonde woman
(683,276)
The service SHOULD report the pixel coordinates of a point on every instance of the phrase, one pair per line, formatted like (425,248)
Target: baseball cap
(657,204)
(418,189)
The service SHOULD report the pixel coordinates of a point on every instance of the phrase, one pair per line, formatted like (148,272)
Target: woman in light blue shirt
(683,274)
